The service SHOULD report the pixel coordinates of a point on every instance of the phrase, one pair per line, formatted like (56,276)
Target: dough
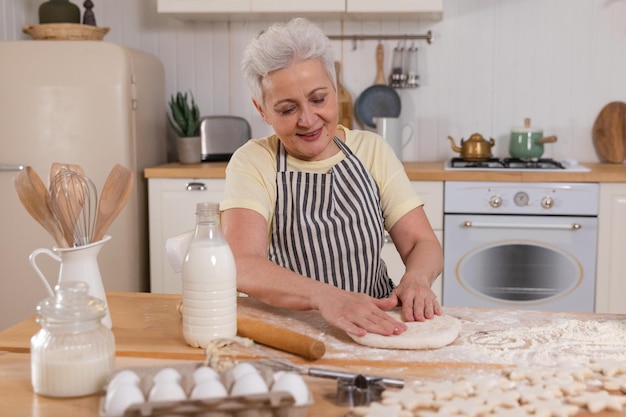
(430,334)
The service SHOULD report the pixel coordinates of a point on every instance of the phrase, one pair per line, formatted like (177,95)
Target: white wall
(492,63)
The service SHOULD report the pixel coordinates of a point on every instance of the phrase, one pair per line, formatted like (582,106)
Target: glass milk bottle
(74,353)
(209,282)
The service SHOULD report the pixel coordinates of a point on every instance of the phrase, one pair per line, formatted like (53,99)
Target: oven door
(523,262)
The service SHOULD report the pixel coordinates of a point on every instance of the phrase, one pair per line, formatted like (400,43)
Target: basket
(65,31)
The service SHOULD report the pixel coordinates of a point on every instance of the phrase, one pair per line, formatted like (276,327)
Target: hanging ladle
(115,193)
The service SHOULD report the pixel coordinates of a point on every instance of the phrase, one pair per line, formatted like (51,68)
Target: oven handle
(479,225)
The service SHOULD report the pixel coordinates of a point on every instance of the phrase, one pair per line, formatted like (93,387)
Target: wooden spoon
(115,193)
(33,194)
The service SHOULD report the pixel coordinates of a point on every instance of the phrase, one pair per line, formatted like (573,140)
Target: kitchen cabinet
(611,262)
(215,10)
(172,206)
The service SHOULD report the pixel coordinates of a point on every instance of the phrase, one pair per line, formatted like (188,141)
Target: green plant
(184,116)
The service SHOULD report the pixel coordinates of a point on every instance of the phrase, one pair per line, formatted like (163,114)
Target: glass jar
(73,353)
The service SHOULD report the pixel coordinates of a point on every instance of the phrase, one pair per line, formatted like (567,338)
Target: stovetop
(514,164)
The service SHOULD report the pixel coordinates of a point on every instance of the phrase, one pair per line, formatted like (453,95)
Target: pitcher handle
(406,142)
(33,263)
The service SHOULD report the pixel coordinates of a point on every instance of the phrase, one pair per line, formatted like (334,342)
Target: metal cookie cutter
(359,390)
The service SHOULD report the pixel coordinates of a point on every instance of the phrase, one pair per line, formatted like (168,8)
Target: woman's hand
(358,313)
(418,301)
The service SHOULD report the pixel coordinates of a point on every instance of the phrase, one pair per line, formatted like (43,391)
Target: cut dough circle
(430,334)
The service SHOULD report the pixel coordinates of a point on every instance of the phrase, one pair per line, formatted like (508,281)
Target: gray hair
(281,45)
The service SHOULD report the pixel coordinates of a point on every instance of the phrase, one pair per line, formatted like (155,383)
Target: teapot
(476,148)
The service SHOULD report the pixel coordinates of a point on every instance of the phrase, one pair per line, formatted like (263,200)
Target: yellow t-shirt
(251,175)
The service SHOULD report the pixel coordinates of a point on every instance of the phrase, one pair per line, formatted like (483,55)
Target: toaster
(222,135)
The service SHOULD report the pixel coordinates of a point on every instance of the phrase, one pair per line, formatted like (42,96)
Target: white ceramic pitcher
(79,263)
(393,130)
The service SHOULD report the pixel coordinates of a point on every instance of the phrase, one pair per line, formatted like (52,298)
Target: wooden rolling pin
(280,338)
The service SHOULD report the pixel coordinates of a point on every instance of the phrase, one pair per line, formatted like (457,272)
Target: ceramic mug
(393,130)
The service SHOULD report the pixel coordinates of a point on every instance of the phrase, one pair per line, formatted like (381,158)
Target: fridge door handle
(10,167)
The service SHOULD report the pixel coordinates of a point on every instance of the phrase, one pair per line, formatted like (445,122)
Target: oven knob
(495,201)
(547,202)
(521,199)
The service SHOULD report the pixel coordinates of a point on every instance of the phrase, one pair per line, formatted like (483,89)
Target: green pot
(527,142)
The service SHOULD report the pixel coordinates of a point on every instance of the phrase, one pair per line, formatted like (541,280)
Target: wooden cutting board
(345,101)
(609,132)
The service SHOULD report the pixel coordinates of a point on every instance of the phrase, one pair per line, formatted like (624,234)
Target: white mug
(392,129)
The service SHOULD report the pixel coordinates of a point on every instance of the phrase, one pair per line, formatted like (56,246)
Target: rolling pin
(280,338)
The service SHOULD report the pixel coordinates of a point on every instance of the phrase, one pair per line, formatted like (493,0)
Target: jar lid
(71,303)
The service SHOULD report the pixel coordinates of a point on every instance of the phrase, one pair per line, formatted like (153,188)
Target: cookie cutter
(359,390)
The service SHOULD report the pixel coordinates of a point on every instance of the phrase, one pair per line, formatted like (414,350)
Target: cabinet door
(431,193)
(611,263)
(298,6)
(172,211)
(385,6)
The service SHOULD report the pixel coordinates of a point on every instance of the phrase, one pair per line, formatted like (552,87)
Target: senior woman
(305,209)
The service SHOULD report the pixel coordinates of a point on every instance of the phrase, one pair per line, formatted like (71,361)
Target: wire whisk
(73,200)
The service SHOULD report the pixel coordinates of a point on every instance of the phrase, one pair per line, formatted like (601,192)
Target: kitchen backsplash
(492,63)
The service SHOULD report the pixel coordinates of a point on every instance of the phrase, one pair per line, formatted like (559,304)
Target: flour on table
(430,334)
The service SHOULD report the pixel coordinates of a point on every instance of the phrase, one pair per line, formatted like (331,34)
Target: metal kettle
(476,148)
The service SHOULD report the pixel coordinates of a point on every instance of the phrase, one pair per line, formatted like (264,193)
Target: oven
(520,245)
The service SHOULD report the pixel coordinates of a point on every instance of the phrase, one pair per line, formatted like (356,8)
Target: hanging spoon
(115,193)
(33,194)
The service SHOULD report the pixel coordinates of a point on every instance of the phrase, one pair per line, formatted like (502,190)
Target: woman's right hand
(357,313)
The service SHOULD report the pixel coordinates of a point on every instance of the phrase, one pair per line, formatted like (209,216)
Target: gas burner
(541,163)
(507,163)
(488,163)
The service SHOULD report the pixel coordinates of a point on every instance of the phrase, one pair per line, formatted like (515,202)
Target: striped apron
(330,227)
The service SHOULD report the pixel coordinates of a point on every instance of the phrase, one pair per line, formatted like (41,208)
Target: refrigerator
(91,103)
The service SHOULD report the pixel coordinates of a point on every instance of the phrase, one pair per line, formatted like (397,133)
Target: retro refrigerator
(90,103)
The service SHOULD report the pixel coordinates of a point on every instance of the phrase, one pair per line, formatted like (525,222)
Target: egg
(242,369)
(167,390)
(204,372)
(208,388)
(167,374)
(122,396)
(249,384)
(294,385)
(124,376)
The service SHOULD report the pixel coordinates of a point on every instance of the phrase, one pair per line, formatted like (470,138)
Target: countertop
(425,171)
(147,332)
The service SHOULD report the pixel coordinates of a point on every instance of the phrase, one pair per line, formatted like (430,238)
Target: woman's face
(300,103)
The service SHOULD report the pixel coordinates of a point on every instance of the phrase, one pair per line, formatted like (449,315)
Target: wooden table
(148,332)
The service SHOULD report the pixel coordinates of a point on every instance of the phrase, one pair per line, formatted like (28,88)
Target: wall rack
(428,37)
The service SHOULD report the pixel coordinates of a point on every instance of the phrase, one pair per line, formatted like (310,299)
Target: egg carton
(273,403)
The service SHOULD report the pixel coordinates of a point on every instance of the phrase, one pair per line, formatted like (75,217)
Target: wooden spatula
(115,193)
(33,194)
(344,100)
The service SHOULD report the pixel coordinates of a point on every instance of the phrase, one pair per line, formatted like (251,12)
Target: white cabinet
(172,211)
(431,193)
(273,9)
(611,256)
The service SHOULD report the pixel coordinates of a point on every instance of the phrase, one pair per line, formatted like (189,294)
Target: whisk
(73,200)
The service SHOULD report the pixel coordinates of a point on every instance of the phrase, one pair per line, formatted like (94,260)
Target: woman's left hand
(418,301)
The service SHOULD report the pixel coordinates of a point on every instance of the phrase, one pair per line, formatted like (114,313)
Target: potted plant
(184,118)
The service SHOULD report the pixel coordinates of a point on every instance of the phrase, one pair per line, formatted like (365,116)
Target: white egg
(294,385)
(204,372)
(123,376)
(249,384)
(121,397)
(167,391)
(208,388)
(242,369)
(167,374)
